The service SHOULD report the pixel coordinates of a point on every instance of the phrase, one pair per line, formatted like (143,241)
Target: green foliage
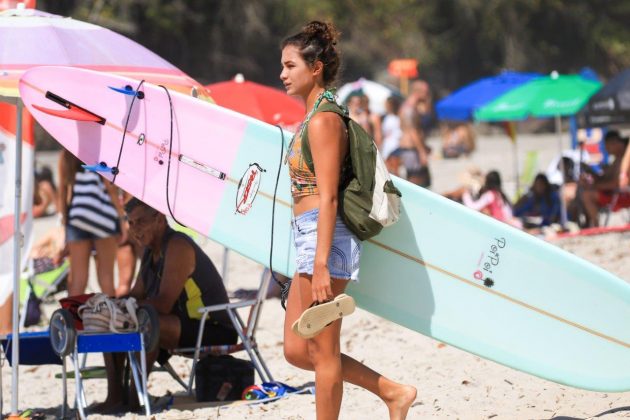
(455,41)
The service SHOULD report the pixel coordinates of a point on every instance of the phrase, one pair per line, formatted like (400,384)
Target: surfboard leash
(139,95)
(284,287)
(170,150)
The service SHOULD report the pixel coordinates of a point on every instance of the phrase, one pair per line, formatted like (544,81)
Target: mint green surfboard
(443,270)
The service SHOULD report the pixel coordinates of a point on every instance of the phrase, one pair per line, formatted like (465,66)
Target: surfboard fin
(101,167)
(72,112)
(128,90)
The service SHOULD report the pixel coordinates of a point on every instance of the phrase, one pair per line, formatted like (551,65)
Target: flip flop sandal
(316,318)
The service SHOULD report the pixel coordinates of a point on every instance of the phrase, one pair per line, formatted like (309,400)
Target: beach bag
(368,199)
(104,314)
(222,378)
(72,305)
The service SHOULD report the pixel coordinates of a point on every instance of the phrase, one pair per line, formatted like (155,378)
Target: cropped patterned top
(303,181)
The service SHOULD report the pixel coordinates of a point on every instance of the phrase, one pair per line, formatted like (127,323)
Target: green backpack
(368,199)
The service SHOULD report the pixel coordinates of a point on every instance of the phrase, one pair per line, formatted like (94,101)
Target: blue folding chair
(35,349)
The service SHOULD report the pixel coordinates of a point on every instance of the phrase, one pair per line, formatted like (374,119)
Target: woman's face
(297,76)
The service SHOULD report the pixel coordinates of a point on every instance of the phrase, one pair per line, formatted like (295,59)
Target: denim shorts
(345,252)
(74,233)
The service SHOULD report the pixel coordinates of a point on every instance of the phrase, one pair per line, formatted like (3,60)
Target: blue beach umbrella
(462,104)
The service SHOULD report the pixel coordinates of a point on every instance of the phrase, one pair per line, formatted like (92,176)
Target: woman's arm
(484,201)
(375,119)
(112,190)
(329,145)
(64,183)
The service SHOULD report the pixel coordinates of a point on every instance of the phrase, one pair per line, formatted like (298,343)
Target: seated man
(177,278)
(599,189)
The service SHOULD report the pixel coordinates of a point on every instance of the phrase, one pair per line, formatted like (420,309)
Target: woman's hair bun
(323,31)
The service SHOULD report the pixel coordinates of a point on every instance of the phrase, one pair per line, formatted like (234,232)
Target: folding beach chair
(246,332)
(35,350)
(42,280)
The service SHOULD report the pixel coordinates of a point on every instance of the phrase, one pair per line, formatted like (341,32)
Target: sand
(451,383)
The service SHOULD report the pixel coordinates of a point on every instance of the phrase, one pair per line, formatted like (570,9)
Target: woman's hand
(321,285)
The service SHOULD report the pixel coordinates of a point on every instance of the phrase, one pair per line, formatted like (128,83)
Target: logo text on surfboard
(248,188)
(161,152)
(487,262)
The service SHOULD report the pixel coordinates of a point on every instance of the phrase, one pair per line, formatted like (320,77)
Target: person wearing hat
(599,190)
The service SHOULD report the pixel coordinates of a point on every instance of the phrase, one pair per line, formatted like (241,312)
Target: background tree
(455,41)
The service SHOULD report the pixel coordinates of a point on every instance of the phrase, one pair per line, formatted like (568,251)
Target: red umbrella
(267,104)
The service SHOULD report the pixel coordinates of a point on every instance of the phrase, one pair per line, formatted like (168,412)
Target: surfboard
(443,270)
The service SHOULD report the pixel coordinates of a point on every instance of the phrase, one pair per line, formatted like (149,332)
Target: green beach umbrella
(544,97)
(549,96)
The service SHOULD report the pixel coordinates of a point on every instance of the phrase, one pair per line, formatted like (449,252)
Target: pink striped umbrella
(31,38)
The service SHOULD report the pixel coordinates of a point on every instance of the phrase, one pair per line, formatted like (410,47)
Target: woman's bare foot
(399,401)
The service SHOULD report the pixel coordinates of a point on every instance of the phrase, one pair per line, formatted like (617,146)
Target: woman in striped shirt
(91,214)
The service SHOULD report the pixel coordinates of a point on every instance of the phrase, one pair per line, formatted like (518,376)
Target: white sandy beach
(451,383)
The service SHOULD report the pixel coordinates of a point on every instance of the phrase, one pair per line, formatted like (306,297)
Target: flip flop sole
(315,319)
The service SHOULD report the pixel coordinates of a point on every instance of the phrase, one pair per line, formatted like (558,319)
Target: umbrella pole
(516,169)
(563,207)
(17,242)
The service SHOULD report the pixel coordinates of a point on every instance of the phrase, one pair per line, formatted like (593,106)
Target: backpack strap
(325,106)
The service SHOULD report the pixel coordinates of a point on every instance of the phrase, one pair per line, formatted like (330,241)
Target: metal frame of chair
(112,343)
(50,289)
(246,332)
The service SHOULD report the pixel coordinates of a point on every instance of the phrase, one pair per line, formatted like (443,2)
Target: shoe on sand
(316,318)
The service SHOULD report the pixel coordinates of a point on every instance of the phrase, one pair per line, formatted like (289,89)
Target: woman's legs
(322,354)
(126,262)
(106,255)
(79,252)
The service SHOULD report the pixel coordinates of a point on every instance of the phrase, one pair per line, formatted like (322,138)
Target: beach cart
(66,341)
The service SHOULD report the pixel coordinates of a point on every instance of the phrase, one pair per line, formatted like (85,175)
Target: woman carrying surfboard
(327,251)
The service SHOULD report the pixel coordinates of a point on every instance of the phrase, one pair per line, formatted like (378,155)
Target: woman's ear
(318,68)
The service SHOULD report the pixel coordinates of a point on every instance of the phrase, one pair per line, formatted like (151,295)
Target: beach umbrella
(462,104)
(553,96)
(262,102)
(30,38)
(377,93)
(543,97)
(611,105)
